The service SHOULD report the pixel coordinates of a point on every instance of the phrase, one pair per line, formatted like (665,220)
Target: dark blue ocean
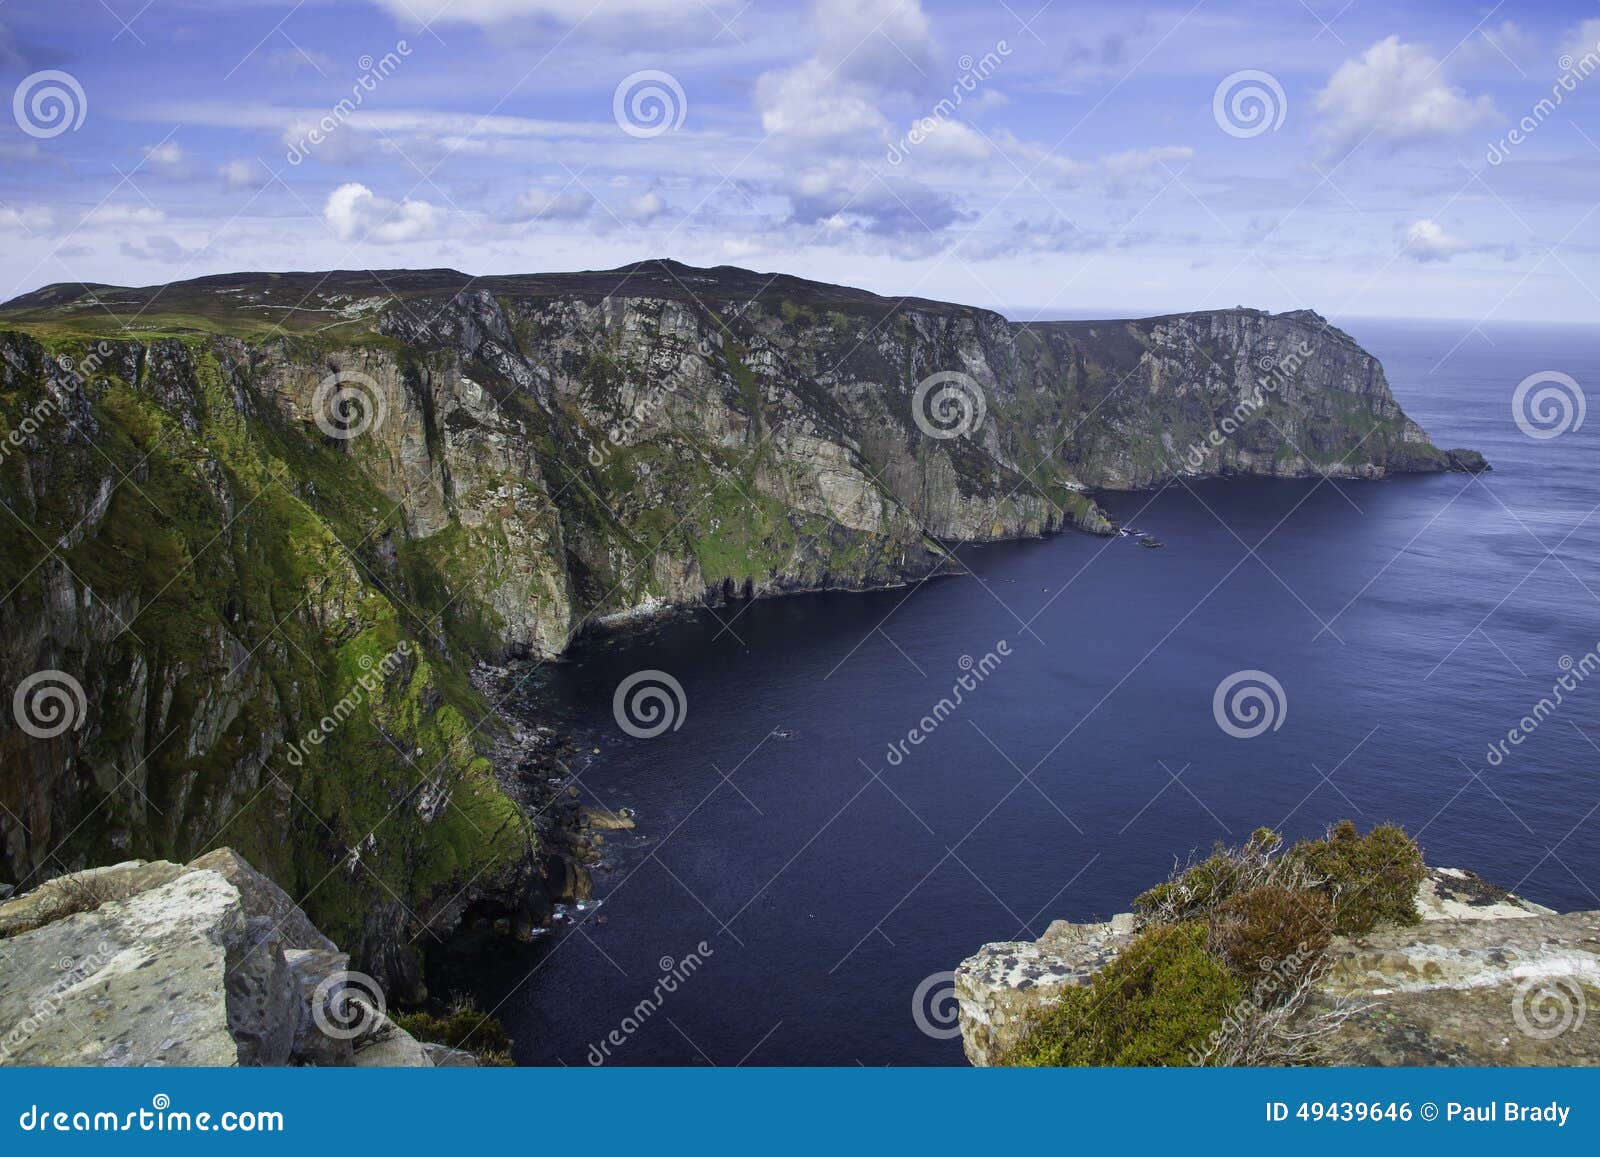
(1410,623)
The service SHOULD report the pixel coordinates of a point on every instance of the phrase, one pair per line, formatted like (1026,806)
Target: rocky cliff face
(259,526)
(1487,978)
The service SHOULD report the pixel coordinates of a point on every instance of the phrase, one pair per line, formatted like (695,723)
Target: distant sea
(1410,624)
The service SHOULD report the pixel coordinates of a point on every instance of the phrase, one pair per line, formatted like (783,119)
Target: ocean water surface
(1410,624)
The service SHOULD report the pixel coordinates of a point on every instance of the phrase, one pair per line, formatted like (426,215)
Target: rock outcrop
(262,525)
(1487,978)
(208,963)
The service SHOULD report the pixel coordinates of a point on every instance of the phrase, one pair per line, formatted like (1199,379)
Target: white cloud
(644,208)
(1584,40)
(1426,240)
(243,173)
(28,218)
(124,215)
(165,158)
(486,13)
(354,212)
(1395,92)
(553,205)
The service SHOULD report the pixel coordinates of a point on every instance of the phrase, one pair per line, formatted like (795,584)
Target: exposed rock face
(269,599)
(204,964)
(1002,983)
(1487,978)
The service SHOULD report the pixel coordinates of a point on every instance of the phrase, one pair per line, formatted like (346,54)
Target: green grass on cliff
(239,566)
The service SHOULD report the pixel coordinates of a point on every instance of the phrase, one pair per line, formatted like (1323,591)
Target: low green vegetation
(1230,950)
(462,1025)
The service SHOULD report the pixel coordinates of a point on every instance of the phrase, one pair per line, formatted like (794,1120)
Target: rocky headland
(265,529)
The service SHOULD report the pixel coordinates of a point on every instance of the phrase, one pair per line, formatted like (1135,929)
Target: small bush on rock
(1270,931)
(1370,880)
(462,1026)
(1157,1003)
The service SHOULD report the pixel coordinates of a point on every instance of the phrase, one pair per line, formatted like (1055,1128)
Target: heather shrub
(1270,930)
(1158,1003)
(1369,879)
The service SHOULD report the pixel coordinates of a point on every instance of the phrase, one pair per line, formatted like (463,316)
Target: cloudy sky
(1042,158)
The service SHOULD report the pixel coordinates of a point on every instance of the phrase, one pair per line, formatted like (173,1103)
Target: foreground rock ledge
(207,963)
(1487,978)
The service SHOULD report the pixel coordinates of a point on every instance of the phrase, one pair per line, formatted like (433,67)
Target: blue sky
(1095,162)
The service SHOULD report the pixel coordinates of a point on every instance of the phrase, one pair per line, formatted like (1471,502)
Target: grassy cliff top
(345,303)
